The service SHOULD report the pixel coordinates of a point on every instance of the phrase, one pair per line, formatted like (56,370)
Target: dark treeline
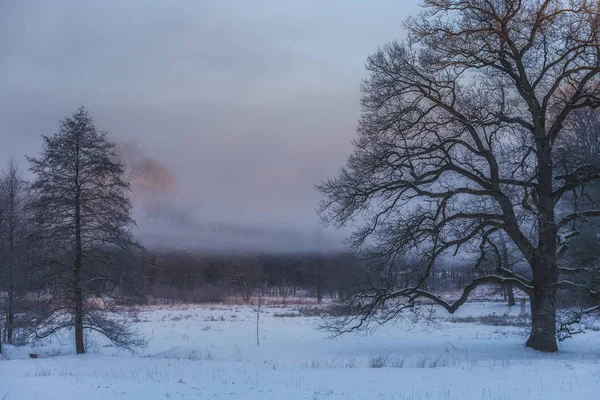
(189,276)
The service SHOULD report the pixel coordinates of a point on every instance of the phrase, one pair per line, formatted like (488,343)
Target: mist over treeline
(177,275)
(166,218)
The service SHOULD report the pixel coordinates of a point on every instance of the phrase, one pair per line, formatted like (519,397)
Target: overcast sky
(249,103)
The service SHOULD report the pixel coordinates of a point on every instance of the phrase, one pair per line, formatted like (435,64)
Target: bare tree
(83,224)
(14,193)
(506,264)
(1,324)
(244,273)
(457,141)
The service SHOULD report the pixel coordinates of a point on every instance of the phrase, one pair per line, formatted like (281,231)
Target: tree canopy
(459,140)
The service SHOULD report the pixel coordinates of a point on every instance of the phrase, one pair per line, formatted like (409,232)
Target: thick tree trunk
(544,269)
(543,322)
(79,346)
(78,300)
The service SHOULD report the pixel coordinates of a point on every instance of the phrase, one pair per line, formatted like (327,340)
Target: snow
(210,352)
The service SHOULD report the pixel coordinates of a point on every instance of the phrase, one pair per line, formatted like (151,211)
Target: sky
(249,104)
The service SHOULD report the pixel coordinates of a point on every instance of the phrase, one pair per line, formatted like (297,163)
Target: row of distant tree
(190,276)
(187,276)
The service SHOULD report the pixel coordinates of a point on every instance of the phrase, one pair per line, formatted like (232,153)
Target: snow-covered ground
(210,352)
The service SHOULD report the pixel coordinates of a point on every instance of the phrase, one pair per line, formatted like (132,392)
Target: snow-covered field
(210,352)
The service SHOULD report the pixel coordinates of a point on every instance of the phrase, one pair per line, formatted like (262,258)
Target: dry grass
(495,320)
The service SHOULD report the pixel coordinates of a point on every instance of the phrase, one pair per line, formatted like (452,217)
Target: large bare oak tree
(458,142)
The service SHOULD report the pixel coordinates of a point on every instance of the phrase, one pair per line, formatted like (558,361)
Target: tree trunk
(10,318)
(543,267)
(246,293)
(0,327)
(506,264)
(543,322)
(257,317)
(79,346)
(78,300)
(511,295)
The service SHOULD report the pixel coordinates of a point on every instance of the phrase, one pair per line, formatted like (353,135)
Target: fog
(247,104)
